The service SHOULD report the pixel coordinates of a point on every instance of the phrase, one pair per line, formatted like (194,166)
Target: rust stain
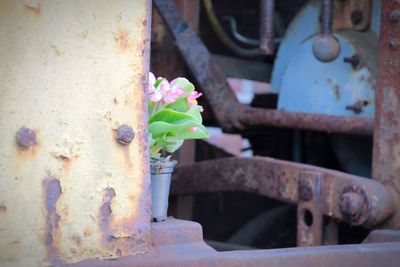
(3,208)
(122,40)
(106,214)
(87,232)
(127,157)
(33,10)
(23,155)
(57,51)
(77,239)
(52,192)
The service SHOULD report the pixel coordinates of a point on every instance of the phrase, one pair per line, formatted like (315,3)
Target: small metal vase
(161,171)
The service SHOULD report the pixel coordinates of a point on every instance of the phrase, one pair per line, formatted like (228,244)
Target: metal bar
(267,8)
(309,210)
(307,121)
(326,17)
(356,200)
(386,167)
(194,254)
(229,113)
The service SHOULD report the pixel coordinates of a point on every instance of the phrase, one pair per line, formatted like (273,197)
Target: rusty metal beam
(306,121)
(386,156)
(229,113)
(267,8)
(179,243)
(356,200)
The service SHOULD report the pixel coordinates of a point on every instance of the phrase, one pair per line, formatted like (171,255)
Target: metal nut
(350,205)
(394,15)
(394,43)
(356,17)
(25,137)
(125,134)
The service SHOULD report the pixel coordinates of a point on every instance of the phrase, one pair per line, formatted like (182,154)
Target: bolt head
(394,15)
(125,134)
(306,190)
(394,43)
(25,137)
(351,205)
(356,17)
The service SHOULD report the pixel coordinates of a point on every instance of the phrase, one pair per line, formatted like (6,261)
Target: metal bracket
(309,210)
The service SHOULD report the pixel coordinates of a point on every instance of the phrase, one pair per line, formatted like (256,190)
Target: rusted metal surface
(324,123)
(309,209)
(200,62)
(179,243)
(351,14)
(267,9)
(279,179)
(229,113)
(73,72)
(386,155)
(383,236)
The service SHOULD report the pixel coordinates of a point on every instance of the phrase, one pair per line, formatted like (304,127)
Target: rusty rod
(279,180)
(307,121)
(386,168)
(267,8)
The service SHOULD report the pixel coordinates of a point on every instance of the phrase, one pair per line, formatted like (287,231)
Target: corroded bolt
(350,205)
(394,15)
(26,137)
(394,43)
(125,134)
(306,190)
(356,17)
(354,60)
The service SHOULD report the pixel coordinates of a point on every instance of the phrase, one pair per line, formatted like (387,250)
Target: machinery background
(318,66)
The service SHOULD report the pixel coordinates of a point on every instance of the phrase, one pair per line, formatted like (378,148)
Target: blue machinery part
(343,86)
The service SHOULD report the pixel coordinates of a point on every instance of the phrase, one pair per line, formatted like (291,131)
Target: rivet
(125,134)
(350,205)
(356,17)
(306,190)
(394,15)
(394,43)
(25,137)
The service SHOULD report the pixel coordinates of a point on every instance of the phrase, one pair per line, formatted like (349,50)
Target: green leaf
(195,112)
(159,128)
(185,84)
(170,143)
(171,116)
(181,105)
(201,133)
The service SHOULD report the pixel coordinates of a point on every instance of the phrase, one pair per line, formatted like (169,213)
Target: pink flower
(155,94)
(192,99)
(194,129)
(170,93)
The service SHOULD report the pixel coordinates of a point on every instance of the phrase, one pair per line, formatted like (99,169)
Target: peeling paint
(33,9)
(53,191)
(122,40)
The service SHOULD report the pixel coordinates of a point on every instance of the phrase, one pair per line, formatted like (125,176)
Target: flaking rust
(52,192)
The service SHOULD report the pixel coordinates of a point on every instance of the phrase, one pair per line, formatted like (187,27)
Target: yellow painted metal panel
(73,72)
